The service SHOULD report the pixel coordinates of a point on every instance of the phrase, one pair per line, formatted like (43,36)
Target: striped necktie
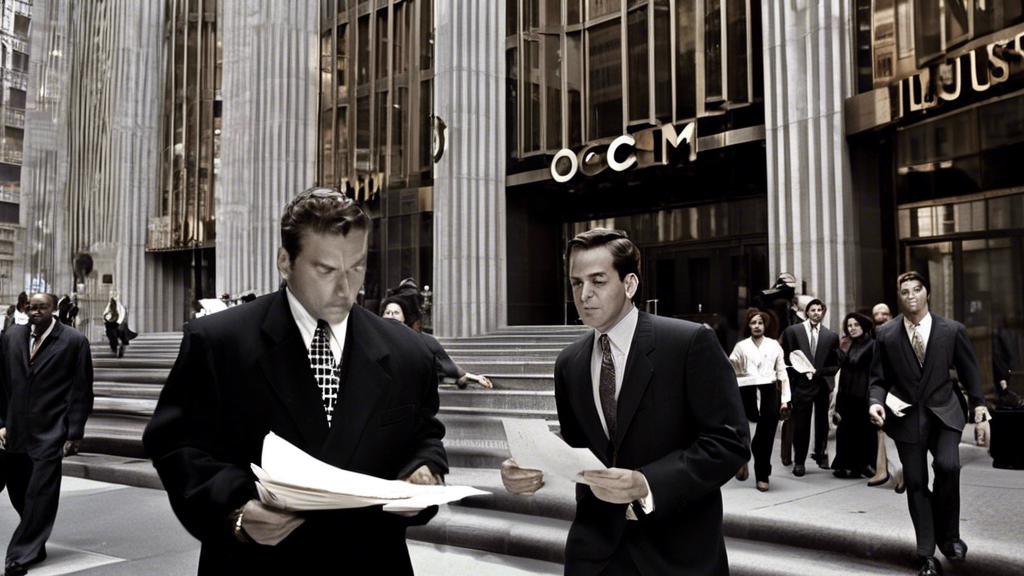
(606,388)
(321,360)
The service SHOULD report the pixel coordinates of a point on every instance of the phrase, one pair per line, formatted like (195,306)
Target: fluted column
(469,181)
(268,137)
(811,213)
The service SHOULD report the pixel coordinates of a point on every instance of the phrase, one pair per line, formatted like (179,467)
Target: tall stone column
(469,181)
(812,228)
(268,136)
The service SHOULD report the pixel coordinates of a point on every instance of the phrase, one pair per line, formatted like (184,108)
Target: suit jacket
(681,423)
(46,401)
(894,368)
(244,372)
(825,359)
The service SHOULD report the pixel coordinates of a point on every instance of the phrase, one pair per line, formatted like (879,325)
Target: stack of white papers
(292,480)
(800,362)
(534,446)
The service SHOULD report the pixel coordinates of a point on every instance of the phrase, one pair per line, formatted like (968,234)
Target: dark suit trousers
(767,425)
(748,394)
(802,424)
(936,514)
(34,488)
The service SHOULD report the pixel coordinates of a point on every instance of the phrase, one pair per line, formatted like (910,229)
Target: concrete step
(523,381)
(131,376)
(494,400)
(134,362)
(489,366)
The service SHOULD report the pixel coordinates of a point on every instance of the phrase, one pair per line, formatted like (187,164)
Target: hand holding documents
(800,362)
(534,446)
(292,480)
(896,405)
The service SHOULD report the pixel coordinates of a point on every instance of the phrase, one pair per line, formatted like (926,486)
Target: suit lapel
(804,343)
(907,350)
(581,386)
(639,370)
(937,334)
(364,385)
(48,346)
(286,367)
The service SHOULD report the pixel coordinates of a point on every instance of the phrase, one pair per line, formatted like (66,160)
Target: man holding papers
(656,400)
(910,374)
(334,380)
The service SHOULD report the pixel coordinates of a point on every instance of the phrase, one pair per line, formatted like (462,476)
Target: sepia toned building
(15,28)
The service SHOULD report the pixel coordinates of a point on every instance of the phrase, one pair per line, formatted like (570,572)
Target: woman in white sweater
(759,361)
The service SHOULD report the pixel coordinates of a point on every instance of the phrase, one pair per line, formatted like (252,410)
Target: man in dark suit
(811,393)
(350,388)
(656,400)
(46,372)
(913,357)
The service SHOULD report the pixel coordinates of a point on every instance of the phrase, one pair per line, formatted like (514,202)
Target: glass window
(713,50)
(403,27)
(363,50)
(382,44)
(426,36)
(363,134)
(927,29)
(531,14)
(573,13)
(662,63)
(686,60)
(426,125)
(342,65)
(1002,123)
(639,69)
(957,21)
(553,90)
(511,17)
(398,131)
(992,15)
(596,8)
(604,65)
(552,13)
(380,136)
(736,14)
(341,130)
(574,85)
(326,148)
(325,67)
(531,100)
(512,104)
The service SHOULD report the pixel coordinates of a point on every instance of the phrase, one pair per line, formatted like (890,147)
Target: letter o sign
(564,166)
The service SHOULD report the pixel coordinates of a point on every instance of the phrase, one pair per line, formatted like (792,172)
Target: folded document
(292,480)
(896,405)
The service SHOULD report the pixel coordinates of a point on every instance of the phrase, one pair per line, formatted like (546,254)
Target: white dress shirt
(307,327)
(765,363)
(32,337)
(924,329)
(620,338)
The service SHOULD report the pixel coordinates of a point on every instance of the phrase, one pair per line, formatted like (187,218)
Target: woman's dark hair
(866,324)
(405,302)
(766,317)
(319,211)
(22,302)
(11,309)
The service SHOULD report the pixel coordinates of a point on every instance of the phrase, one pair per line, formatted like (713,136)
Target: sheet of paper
(292,480)
(896,405)
(753,380)
(800,362)
(534,446)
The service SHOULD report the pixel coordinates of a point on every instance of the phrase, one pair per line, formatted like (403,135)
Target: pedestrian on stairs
(115,319)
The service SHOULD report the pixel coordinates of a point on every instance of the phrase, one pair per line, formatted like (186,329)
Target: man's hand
(422,475)
(520,481)
(616,485)
(71,447)
(266,525)
(877,414)
(981,415)
(3,437)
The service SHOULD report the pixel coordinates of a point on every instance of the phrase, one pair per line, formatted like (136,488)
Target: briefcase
(1007,447)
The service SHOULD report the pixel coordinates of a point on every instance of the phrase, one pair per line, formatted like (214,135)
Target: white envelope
(800,362)
(896,405)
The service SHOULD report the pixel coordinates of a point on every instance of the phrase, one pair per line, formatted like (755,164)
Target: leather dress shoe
(842,474)
(930,567)
(787,462)
(901,486)
(799,470)
(762,486)
(955,550)
(15,569)
(743,473)
(822,461)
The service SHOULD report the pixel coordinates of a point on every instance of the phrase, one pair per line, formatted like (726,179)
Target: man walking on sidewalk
(811,391)
(46,372)
(913,356)
(656,400)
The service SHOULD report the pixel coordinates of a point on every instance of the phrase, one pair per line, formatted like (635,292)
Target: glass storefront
(376,127)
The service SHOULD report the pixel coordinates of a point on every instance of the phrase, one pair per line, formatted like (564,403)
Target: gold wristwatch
(237,529)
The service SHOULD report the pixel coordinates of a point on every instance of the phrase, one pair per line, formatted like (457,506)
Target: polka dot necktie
(321,360)
(606,388)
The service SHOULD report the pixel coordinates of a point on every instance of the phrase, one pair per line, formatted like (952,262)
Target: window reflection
(713,50)
(639,71)
(596,8)
(604,63)
(553,91)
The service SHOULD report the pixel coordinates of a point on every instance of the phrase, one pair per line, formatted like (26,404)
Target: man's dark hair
(319,211)
(819,303)
(912,275)
(625,254)
(52,297)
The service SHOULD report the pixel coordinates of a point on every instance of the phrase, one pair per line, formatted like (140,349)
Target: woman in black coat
(856,439)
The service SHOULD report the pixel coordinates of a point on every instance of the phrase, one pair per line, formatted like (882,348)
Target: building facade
(939,123)
(15,30)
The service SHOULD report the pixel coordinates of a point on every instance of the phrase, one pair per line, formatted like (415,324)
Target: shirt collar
(925,324)
(621,335)
(307,324)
